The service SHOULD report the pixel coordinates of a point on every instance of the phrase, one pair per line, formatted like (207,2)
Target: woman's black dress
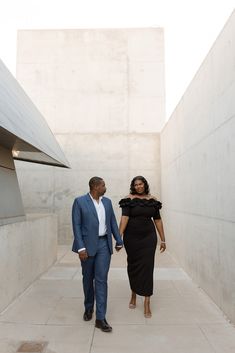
(140,241)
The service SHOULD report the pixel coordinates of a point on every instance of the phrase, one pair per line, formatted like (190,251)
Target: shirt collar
(100,198)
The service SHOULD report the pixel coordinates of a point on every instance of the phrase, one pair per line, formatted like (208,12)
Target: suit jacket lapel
(91,206)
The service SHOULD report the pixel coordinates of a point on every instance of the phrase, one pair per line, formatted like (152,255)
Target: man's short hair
(94,181)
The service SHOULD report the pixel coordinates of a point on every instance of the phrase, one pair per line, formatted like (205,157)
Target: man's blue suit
(86,235)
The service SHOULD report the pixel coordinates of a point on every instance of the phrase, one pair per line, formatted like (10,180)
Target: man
(94,223)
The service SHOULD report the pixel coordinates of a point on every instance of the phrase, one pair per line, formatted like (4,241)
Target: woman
(140,218)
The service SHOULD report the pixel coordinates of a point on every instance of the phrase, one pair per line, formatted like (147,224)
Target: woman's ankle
(133,298)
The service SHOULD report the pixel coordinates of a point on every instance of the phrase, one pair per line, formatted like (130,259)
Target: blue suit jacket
(86,225)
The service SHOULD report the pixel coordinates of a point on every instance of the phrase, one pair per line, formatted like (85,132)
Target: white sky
(190,27)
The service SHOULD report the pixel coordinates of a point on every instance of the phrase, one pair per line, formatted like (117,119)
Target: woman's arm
(123,223)
(159,226)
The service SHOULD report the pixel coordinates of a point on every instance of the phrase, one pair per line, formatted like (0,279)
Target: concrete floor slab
(69,338)
(152,339)
(184,319)
(55,289)
(220,336)
(60,272)
(68,311)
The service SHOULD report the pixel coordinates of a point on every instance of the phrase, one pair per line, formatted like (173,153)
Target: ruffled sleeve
(125,206)
(157,214)
(157,206)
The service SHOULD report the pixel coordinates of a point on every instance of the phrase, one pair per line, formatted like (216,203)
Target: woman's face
(139,186)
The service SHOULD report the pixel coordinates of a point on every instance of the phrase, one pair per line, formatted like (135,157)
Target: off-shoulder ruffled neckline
(140,201)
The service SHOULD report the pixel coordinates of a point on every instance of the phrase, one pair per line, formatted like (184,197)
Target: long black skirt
(140,241)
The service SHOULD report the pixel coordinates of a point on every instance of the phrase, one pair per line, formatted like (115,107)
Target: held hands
(83,255)
(118,247)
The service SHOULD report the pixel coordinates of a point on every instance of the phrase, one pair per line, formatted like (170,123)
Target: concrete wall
(198,174)
(102,94)
(11,207)
(27,250)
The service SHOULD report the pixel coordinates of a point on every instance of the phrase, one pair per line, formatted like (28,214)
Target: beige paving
(184,319)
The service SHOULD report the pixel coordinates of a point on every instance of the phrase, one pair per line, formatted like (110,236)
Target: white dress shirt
(101,215)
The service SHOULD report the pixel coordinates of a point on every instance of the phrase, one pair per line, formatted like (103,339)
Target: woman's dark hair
(132,186)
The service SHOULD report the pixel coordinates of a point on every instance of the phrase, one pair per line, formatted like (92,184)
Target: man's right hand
(83,255)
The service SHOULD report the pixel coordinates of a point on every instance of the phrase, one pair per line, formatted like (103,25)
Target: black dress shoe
(103,325)
(87,316)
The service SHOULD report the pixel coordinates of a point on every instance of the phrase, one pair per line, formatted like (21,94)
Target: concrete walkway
(47,317)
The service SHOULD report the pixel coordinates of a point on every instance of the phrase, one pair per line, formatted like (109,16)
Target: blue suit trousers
(95,276)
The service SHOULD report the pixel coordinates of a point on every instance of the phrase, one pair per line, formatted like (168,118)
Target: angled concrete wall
(23,130)
(28,245)
(102,93)
(25,135)
(198,174)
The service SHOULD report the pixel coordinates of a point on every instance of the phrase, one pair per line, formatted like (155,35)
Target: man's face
(101,188)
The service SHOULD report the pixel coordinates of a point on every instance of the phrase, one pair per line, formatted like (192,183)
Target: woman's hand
(162,246)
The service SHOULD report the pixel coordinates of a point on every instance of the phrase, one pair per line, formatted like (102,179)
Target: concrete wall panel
(11,206)
(102,93)
(27,250)
(198,174)
(39,185)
